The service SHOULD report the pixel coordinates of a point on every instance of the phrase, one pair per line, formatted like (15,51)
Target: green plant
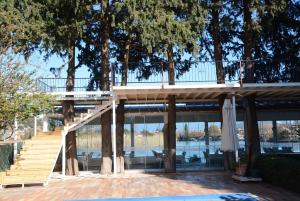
(281,170)
(18,96)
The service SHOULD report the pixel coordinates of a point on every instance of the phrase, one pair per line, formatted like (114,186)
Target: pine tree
(167,27)
(64,22)
(251,30)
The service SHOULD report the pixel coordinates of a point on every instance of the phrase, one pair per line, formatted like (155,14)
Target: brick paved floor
(140,185)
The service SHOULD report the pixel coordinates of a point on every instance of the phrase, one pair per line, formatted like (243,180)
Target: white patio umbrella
(229,140)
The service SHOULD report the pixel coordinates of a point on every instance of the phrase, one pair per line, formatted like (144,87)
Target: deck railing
(59,84)
(185,73)
(156,73)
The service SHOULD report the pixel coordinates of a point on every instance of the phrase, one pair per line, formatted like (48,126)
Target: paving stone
(141,185)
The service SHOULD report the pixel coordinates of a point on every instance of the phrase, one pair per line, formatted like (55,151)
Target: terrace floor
(142,184)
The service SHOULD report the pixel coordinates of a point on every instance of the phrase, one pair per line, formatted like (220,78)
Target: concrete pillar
(45,123)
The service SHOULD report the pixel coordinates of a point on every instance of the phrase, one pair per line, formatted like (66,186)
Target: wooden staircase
(38,156)
(36,160)
(88,117)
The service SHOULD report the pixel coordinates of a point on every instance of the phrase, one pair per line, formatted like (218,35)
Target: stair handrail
(99,111)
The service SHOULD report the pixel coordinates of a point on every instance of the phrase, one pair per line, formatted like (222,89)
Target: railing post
(241,73)
(162,74)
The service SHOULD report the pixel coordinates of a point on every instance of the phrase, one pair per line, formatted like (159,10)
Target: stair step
(60,128)
(41,146)
(82,115)
(42,141)
(23,179)
(27,172)
(77,119)
(37,156)
(35,161)
(38,152)
(29,167)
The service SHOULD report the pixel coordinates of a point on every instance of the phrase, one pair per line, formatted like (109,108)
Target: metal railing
(156,73)
(185,73)
(59,84)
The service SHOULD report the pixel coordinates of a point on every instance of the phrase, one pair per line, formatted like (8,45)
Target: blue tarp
(213,197)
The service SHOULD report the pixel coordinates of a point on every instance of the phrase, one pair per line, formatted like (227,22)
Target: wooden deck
(206,92)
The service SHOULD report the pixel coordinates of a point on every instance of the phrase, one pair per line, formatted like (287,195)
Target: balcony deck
(197,83)
(207,92)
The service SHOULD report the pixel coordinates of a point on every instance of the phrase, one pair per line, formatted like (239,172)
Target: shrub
(281,170)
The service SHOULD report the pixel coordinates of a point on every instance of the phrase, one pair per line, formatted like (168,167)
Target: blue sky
(42,67)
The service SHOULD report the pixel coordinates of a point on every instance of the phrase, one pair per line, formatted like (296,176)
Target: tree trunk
(68,112)
(170,158)
(106,163)
(248,41)
(121,113)
(120,136)
(217,42)
(249,101)
(253,140)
